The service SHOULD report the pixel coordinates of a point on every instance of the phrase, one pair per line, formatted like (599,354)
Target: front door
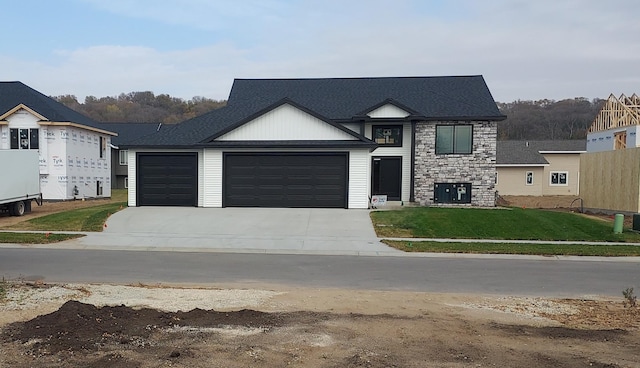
(387,176)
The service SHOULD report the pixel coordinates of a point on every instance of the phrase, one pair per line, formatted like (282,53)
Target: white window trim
(123,154)
(526,175)
(566,173)
(126,182)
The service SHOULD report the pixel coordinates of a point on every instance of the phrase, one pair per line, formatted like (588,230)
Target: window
(529,178)
(103,147)
(24,138)
(559,178)
(126,182)
(124,157)
(453,139)
(388,135)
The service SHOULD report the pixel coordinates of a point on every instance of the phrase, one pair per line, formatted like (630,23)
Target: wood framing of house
(616,113)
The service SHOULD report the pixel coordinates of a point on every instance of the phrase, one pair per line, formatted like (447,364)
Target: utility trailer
(19,181)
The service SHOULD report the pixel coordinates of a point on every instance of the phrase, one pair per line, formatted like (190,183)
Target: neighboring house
(75,159)
(127,133)
(538,168)
(326,143)
(611,168)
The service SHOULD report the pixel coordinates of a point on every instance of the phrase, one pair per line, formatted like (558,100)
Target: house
(539,168)
(336,142)
(127,132)
(611,167)
(73,150)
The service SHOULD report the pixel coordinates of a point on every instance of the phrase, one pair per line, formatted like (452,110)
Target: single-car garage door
(167,179)
(285,180)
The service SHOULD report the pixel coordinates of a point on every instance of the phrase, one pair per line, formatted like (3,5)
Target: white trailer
(19,181)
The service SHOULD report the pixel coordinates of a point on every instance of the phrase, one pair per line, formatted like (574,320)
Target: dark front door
(387,176)
(285,180)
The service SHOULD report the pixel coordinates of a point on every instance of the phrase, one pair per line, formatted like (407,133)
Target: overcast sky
(525,49)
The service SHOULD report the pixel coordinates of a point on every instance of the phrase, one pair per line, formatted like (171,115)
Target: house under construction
(610,170)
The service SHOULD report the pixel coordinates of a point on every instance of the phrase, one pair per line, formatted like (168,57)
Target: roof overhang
(20,107)
(76,125)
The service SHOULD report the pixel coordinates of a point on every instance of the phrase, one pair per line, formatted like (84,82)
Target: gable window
(24,138)
(454,139)
(529,178)
(124,157)
(388,135)
(559,178)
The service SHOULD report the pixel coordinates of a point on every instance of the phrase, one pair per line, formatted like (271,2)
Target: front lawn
(82,219)
(516,248)
(513,223)
(35,238)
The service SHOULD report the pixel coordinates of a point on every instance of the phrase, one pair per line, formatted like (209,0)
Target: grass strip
(514,224)
(81,219)
(35,238)
(516,248)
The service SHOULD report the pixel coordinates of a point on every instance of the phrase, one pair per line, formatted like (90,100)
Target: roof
(129,132)
(13,94)
(337,100)
(528,152)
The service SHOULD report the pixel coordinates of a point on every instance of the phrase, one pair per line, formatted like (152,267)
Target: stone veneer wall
(477,168)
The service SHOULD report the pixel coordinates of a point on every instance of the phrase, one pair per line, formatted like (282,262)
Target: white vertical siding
(132,164)
(286,123)
(388,111)
(211,185)
(201,174)
(359,179)
(404,152)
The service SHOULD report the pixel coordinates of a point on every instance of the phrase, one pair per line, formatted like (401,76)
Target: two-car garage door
(285,180)
(249,180)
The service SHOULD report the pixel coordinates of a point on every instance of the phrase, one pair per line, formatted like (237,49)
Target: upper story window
(388,135)
(124,157)
(103,147)
(24,138)
(454,139)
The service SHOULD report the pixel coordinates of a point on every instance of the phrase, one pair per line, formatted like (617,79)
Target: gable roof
(336,100)
(13,94)
(529,152)
(433,98)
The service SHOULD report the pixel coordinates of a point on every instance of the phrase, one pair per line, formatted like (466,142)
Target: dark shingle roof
(13,94)
(337,99)
(129,132)
(343,98)
(528,152)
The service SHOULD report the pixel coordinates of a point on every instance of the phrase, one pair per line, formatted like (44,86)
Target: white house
(74,151)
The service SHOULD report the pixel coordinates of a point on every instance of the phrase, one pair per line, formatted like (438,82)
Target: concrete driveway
(264,230)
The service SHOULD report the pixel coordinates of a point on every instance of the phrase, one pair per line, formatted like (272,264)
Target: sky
(525,49)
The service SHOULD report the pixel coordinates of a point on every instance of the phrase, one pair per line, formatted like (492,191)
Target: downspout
(413,162)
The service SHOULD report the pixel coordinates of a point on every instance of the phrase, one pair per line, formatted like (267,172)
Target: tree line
(140,107)
(526,119)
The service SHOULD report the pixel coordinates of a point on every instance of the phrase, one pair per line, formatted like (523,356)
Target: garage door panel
(167,179)
(285,180)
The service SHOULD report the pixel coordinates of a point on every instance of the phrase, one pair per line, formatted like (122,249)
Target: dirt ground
(267,326)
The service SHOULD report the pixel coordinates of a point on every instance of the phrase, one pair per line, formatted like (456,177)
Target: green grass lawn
(516,248)
(35,238)
(474,223)
(82,219)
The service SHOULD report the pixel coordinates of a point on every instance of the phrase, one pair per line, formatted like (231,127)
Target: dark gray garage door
(167,179)
(285,180)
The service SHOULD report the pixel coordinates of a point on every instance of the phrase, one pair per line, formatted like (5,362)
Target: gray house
(337,142)
(127,132)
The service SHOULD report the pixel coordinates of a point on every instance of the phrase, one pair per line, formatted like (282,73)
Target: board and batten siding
(358,177)
(132,191)
(286,123)
(388,111)
(404,152)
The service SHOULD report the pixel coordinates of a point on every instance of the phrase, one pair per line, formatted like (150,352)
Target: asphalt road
(541,277)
